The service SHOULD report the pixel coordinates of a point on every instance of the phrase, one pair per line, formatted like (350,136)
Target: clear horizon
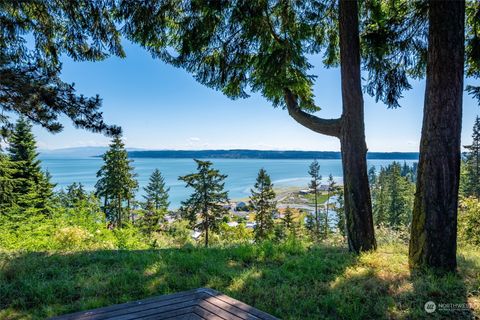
(163,108)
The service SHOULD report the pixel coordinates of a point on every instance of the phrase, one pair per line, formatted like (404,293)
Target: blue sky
(162,107)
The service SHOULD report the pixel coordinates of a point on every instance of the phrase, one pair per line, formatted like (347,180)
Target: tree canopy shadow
(290,282)
(269,277)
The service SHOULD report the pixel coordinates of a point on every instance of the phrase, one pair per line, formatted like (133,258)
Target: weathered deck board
(195,304)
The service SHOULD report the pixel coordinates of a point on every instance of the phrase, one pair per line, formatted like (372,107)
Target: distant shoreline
(264,154)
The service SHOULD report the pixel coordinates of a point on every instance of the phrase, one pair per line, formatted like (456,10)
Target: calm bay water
(241,172)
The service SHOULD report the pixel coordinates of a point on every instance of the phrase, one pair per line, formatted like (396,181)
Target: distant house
(251,224)
(241,206)
(323,187)
(169,218)
(196,234)
(232,223)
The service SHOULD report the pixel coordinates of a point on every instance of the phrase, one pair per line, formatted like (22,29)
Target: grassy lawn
(321,198)
(289,281)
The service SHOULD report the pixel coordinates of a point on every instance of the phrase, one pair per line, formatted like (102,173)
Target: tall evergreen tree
(7,184)
(242,46)
(207,204)
(472,46)
(151,218)
(330,192)
(117,184)
(73,196)
(400,192)
(156,206)
(340,212)
(433,241)
(392,196)
(372,175)
(288,222)
(380,198)
(156,192)
(23,152)
(45,194)
(76,193)
(32,187)
(471,186)
(80,205)
(452,49)
(409,172)
(314,186)
(263,203)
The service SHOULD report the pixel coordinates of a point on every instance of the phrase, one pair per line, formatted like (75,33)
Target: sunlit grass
(291,280)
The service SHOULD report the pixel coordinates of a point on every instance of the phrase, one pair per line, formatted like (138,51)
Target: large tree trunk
(358,206)
(433,239)
(350,129)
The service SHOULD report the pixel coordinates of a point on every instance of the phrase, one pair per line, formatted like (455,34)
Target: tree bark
(206,234)
(329,127)
(358,206)
(350,129)
(433,239)
(119,210)
(206,223)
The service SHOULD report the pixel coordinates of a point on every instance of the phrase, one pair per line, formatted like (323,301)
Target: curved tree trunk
(358,206)
(350,129)
(433,240)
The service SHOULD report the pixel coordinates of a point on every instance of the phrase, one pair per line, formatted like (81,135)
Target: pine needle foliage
(32,187)
(314,186)
(116,184)
(471,185)
(33,36)
(207,205)
(262,201)
(156,192)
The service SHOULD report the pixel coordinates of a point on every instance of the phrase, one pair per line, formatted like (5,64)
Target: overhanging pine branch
(329,127)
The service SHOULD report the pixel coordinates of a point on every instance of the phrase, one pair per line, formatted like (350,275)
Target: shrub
(71,237)
(469,221)
(387,235)
(65,230)
(129,237)
(28,233)
(234,235)
(180,232)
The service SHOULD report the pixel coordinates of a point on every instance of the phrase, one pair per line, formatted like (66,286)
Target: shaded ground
(289,281)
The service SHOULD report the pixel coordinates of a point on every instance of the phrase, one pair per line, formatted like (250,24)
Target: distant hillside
(264,154)
(75,152)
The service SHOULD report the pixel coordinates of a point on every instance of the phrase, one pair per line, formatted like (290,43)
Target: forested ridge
(263,154)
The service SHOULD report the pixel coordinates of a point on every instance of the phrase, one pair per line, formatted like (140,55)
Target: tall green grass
(290,280)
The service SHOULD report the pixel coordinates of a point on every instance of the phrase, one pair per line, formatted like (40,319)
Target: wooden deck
(195,304)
